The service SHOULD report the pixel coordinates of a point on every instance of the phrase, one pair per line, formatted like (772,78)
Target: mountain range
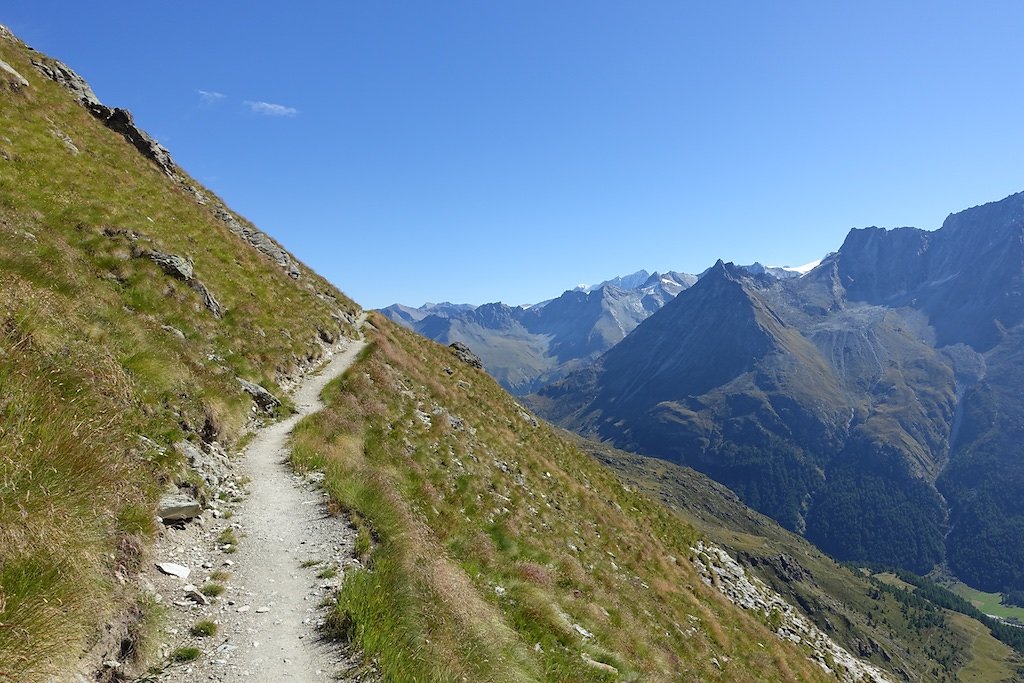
(872,405)
(526,347)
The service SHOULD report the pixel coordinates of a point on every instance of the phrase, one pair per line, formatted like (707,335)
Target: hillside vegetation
(496,550)
(924,637)
(128,308)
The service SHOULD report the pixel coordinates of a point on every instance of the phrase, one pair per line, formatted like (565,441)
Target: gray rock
(65,76)
(66,139)
(178,507)
(121,121)
(181,268)
(14,79)
(466,355)
(173,569)
(259,240)
(265,400)
(195,596)
(173,330)
(176,266)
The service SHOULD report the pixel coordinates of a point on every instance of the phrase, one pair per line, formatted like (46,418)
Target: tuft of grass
(212,590)
(186,654)
(306,564)
(220,575)
(327,573)
(204,629)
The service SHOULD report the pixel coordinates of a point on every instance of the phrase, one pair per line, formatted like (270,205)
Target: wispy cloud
(271,109)
(211,96)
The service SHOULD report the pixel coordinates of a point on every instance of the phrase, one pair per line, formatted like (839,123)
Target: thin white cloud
(271,109)
(211,96)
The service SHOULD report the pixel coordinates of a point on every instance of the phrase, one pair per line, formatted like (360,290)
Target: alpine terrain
(214,465)
(872,405)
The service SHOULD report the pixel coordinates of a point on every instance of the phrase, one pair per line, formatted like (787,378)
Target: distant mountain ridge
(525,347)
(872,404)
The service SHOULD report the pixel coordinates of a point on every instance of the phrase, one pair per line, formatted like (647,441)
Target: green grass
(328,573)
(212,590)
(204,629)
(465,536)
(989,603)
(86,367)
(306,564)
(186,654)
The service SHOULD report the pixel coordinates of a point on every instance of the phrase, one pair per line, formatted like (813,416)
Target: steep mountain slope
(867,404)
(527,347)
(132,303)
(497,550)
(915,640)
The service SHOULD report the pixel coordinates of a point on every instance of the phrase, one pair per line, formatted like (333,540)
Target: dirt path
(267,617)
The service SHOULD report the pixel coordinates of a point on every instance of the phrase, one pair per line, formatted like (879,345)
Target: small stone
(173,569)
(262,610)
(243,608)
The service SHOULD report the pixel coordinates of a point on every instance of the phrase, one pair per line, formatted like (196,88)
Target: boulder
(14,79)
(176,266)
(466,355)
(265,400)
(178,507)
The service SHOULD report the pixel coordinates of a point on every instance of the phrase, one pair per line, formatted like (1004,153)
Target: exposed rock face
(265,400)
(719,570)
(66,76)
(463,353)
(121,121)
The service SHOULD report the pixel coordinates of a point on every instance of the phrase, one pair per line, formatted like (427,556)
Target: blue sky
(472,151)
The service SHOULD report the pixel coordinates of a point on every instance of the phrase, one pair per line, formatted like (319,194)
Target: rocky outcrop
(718,570)
(182,269)
(15,81)
(258,239)
(463,353)
(121,121)
(65,76)
(265,400)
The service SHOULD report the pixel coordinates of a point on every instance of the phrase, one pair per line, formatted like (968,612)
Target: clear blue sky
(478,151)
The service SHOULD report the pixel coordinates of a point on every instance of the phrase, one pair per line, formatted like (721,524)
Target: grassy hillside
(496,550)
(107,359)
(915,641)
